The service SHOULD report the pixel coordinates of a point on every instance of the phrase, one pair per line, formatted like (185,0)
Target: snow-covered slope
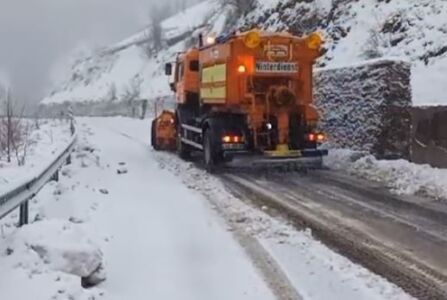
(126,71)
(113,76)
(356,30)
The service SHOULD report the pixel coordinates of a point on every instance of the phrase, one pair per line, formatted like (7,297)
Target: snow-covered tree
(13,130)
(133,90)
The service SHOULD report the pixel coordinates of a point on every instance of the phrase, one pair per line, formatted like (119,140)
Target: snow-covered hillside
(355,30)
(126,71)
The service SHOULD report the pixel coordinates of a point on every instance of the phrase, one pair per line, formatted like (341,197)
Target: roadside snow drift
(401,176)
(60,245)
(44,140)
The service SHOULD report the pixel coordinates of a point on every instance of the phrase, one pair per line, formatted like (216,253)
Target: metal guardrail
(21,194)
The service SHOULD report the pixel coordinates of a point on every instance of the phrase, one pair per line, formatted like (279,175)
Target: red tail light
(316,137)
(232,139)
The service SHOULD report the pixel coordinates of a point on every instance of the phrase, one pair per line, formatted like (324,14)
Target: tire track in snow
(345,235)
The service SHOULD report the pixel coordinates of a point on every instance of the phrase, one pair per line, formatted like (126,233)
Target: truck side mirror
(168,69)
(194,65)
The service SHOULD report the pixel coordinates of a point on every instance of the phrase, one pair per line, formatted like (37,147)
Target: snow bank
(44,143)
(57,255)
(401,176)
(61,245)
(429,143)
(365,107)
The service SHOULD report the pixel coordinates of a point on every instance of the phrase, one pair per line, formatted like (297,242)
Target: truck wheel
(182,150)
(154,136)
(209,156)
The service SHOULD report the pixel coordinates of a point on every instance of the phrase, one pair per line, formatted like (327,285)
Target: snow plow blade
(163,132)
(301,160)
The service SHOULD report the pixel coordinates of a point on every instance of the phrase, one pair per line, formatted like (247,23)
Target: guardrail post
(55,176)
(68,161)
(24,213)
(72,127)
(71,118)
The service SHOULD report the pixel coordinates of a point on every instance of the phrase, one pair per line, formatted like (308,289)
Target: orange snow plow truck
(245,97)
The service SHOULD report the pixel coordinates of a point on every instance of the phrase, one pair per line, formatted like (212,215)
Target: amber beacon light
(252,39)
(314,41)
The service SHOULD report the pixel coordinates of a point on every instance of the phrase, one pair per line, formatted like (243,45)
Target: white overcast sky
(35,34)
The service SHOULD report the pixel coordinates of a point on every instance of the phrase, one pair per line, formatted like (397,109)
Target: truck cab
(185,75)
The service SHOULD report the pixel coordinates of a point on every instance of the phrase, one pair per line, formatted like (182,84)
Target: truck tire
(154,136)
(183,150)
(210,158)
(297,129)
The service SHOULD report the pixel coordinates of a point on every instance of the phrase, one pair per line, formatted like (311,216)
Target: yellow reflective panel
(213,93)
(216,73)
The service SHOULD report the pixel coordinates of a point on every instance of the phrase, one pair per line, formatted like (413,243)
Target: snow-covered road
(164,230)
(159,240)
(166,244)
